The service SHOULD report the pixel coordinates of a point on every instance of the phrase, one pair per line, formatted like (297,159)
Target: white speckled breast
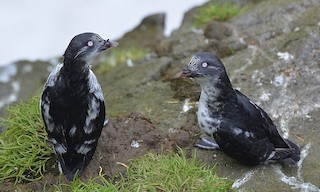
(208,123)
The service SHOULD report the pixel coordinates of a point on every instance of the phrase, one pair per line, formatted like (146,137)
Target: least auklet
(239,127)
(72,105)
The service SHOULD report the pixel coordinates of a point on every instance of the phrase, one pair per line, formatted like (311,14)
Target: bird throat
(75,71)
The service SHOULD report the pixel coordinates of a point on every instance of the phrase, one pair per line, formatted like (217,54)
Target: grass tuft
(96,184)
(152,172)
(121,55)
(23,148)
(172,172)
(218,12)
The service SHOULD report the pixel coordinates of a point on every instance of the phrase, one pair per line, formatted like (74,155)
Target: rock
(217,30)
(147,34)
(164,48)
(185,88)
(188,44)
(21,80)
(187,21)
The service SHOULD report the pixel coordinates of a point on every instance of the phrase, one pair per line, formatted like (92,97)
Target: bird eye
(204,64)
(90,43)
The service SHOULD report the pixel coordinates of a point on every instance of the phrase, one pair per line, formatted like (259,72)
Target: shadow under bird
(236,125)
(72,105)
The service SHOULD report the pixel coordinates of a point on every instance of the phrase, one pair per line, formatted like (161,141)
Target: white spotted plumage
(72,105)
(207,122)
(240,127)
(94,86)
(53,75)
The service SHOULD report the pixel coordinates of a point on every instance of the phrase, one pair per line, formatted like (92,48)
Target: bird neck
(75,70)
(216,89)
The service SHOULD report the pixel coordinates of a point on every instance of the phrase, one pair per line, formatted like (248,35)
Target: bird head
(203,65)
(86,46)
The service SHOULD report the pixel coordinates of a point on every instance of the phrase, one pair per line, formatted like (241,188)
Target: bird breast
(207,120)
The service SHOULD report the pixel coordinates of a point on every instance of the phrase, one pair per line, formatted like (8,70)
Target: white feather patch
(94,104)
(53,141)
(92,113)
(47,118)
(53,75)
(193,65)
(84,149)
(94,86)
(60,168)
(271,155)
(237,131)
(60,148)
(89,141)
(72,131)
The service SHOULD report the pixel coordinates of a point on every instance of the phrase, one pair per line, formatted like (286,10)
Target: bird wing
(256,113)
(247,128)
(96,108)
(59,143)
(264,122)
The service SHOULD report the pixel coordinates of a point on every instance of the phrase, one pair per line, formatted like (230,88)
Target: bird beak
(185,72)
(107,44)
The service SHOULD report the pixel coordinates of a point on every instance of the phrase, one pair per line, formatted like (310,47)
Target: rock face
(147,34)
(271,52)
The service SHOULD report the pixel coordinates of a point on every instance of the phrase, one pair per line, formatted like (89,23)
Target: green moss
(152,172)
(23,148)
(216,11)
(120,55)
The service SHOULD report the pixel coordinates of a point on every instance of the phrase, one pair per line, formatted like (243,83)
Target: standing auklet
(240,127)
(72,105)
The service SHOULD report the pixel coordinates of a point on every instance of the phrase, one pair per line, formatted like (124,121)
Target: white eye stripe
(204,64)
(90,43)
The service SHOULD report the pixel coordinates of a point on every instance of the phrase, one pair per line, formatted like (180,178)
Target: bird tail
(294,156)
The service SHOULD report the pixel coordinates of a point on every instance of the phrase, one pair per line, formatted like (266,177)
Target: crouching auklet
(72,105)
(239,127)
